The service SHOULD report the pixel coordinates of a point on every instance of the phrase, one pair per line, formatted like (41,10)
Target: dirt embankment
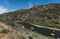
(11,34)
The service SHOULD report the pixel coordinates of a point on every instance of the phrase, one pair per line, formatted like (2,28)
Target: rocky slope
(47,13)
(12,30)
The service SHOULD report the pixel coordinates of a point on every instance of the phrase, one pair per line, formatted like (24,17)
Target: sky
(12,5)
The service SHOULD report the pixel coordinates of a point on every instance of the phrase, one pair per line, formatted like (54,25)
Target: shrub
(4,31)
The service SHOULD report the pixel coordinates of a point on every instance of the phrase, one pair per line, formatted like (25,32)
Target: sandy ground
(4,25)
(9,35)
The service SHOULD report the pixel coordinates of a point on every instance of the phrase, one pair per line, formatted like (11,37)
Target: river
(43,31)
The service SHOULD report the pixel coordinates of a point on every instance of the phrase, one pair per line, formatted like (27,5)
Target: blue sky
(11,5)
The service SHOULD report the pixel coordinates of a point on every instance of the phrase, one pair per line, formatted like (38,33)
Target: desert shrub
(4,31)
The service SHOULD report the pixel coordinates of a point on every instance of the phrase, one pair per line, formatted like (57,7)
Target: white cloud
(3,10)
(6,2)
(30,5)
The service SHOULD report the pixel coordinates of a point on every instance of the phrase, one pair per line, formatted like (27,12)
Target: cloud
(30,5)
(3,10)
(6,2)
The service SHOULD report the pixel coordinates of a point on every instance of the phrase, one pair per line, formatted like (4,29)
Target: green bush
(4,31)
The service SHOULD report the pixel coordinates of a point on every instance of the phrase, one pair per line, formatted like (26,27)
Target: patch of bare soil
(9,35)
(4,25)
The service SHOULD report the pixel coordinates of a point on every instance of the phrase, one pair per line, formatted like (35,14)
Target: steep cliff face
(48,13)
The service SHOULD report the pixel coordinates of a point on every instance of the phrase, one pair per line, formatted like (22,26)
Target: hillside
(8,31)
(49,13)
(12,23)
